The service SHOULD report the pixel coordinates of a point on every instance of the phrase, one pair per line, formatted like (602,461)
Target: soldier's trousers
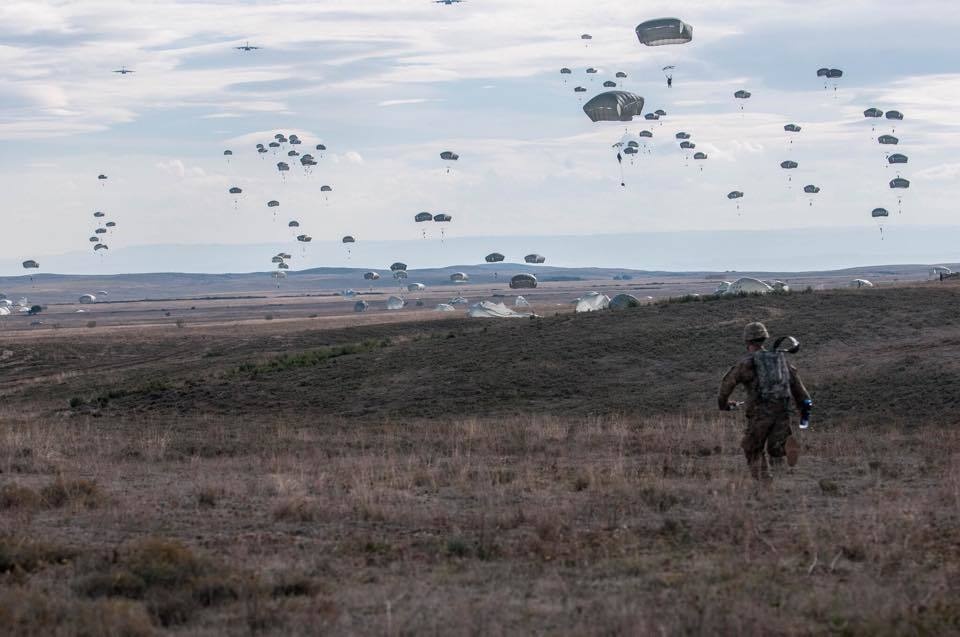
(768,432)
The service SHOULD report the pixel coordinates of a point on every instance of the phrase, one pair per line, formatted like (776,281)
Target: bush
(14,496)
(268,317)
(91,324)
(26,613)
(295,510)
(61,492)
(26,555)
(180,323)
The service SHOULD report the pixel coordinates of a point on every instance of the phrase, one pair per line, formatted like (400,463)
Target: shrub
(61,492)
(26,555)
(91,324)
(14,496)
(295,510)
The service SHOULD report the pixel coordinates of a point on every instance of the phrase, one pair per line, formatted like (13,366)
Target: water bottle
(805,413)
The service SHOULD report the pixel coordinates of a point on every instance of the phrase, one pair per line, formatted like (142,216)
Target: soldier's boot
(792,448)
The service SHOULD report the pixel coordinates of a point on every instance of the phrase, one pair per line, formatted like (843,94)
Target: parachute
(94,240)
(398,266)
(235,191)
(861,283)
(535,258)
(888,140)
(111,224)
(699,155)
(102,177)
(897,158)
(293,224)
(586,36)
(682,135)
(565,71)
(444,307)
(747,285)
(371,276)
(523,281)
(734,194)
(660,112)
(644,133)
(487,309)
(449,156)
(614,106)
(273,203)
(348,239)
(423,216)
(30,264)
(292,153)
(620,75)
(283,166)
(459,277)
(400,274)
(99,214)
(591,71)
(788,165)
(321,147)
(624,301)
(86,299)
(651,117)
(579,89)
(395,303)
(442,218)
(873,113)
(810,189)
(592,301)
(276,259)
(494,257)
(687,145)
(304,238)
(227,153)
(880,214)
(416,287)
(609,84)
(792,128)
(742,95)
(663,31)
(895,115)
(360,306)
(822,71)
(101,246)
(100,231)
(899,182)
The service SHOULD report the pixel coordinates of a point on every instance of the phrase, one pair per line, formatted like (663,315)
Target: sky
(388,85)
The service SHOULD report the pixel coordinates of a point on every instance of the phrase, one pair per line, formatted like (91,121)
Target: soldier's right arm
(727,385)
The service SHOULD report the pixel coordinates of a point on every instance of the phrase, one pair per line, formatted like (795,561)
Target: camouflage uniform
(768,423)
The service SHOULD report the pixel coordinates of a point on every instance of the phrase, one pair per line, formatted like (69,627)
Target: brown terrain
(298,469)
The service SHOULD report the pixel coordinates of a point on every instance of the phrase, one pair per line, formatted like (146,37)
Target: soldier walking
(770,382)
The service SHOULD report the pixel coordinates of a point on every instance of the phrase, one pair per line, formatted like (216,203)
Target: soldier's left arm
(797,389)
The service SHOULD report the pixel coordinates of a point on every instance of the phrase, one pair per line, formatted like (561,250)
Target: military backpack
(773,376)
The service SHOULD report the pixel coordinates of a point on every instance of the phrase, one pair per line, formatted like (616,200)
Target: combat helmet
(755,331)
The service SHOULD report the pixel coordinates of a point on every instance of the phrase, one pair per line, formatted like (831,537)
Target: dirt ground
(414,474)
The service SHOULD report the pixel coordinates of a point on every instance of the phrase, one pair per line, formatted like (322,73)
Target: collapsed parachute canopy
(663,31)
(614,106)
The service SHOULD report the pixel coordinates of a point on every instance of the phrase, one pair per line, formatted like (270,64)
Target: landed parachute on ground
(535,258)
(360,306)
(592,301)
(624,301)
(614,106)
(861,283)
(748,285)
(395,303)
(662,31)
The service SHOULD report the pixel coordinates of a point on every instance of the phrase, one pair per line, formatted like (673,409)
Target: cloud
(415,100)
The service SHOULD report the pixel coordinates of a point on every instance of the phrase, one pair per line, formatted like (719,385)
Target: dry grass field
(564,475)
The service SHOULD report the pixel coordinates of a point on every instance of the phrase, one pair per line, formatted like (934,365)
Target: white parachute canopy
(860,283)
(521,302)
(593,301)
(395,303)
(746,285)
(723,287)
(780,286)
(88,298)
(4,311)
(486,309)
(444,307)
(416,287)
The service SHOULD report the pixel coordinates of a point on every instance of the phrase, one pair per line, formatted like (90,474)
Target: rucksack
(773,376)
